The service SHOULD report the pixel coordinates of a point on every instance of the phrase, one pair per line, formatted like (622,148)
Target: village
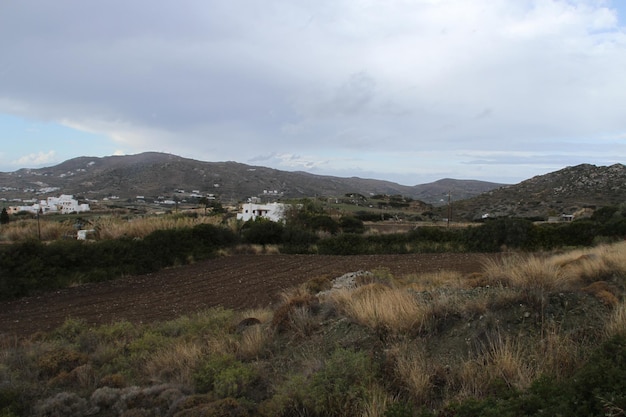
(64,204)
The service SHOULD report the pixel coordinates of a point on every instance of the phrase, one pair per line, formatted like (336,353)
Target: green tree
(299,215)
(204,202)
(4,216)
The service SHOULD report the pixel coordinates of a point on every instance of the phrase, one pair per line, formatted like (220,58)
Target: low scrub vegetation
(530,335)
(146,245)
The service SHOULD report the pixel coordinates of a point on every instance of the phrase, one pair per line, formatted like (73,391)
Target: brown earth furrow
(238,282)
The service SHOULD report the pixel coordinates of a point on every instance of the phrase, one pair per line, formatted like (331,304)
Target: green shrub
(345,244)
(350,224)
(224,375)
(262,232)
(341,386)
(323,223)
(493,235)
(11,401)
(212,237)
(297,240)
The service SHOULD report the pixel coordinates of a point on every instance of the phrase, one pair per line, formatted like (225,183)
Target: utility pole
(449,208)
(38,225)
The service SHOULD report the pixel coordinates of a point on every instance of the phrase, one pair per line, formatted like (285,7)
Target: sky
(409,91)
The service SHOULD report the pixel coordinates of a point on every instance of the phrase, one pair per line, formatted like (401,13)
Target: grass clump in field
(526,336)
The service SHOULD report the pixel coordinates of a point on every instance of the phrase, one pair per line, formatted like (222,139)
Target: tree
(4,216)
(205,202)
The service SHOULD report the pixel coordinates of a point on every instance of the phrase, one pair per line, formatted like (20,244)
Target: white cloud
(36,159)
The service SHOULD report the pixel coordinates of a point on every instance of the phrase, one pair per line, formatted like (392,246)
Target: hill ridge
(155,174)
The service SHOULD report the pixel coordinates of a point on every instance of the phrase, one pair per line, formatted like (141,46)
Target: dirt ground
(237,282)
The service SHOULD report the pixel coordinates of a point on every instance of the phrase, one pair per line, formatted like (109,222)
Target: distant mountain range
(159,175)
(153,175)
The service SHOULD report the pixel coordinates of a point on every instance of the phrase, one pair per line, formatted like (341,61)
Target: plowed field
(237,282)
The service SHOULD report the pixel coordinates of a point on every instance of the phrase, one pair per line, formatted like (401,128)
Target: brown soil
(237,282)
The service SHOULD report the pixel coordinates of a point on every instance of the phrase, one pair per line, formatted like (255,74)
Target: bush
(262,232)
(341,387)
(297,240)
(494,235)
(323,223)
(212,237)
(346,244)
(351,224)
(225,376)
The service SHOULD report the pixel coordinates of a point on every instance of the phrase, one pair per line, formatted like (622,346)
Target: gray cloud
(228,80)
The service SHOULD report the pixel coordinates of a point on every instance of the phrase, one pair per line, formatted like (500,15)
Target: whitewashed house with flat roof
(63,204)
(271,211)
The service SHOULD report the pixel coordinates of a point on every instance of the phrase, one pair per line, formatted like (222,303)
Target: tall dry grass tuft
(297,311)
(414,371)
(535,276)
(556,353)
(377,402)
(382,308)
(616,324)
(174,364)
(254,339)
(594,264)
(501,362)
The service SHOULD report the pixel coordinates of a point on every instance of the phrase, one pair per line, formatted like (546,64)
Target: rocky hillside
(572,190)
(155,175)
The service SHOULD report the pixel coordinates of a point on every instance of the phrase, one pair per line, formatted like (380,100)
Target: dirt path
(238,282)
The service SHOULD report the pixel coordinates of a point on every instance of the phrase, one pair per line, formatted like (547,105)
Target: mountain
(153,175)
(571,190)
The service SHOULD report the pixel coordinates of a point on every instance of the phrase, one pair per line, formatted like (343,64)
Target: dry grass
(296,312)
(382,308)
(254,339)
(556,353)
(174,364)
(26,229)
(377,403)
(115,227)
(594,264)
(616,323)
(434,280)
(108,227)
(502,361)
(414,371)
(448,303)
(528,273)
(264,315)
(226,344)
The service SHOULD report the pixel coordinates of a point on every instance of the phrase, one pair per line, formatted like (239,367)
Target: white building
(271,211)
(63,204)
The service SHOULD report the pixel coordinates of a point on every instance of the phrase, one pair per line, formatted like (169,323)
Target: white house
(64,204)
(271,211)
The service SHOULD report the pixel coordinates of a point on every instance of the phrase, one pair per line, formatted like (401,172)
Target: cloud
(36,159)
(288,161)
(217,81)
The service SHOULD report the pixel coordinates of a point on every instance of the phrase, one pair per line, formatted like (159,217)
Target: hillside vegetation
(529,335)
(147,245)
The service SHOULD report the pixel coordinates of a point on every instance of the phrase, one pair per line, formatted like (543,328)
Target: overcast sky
(404,90)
